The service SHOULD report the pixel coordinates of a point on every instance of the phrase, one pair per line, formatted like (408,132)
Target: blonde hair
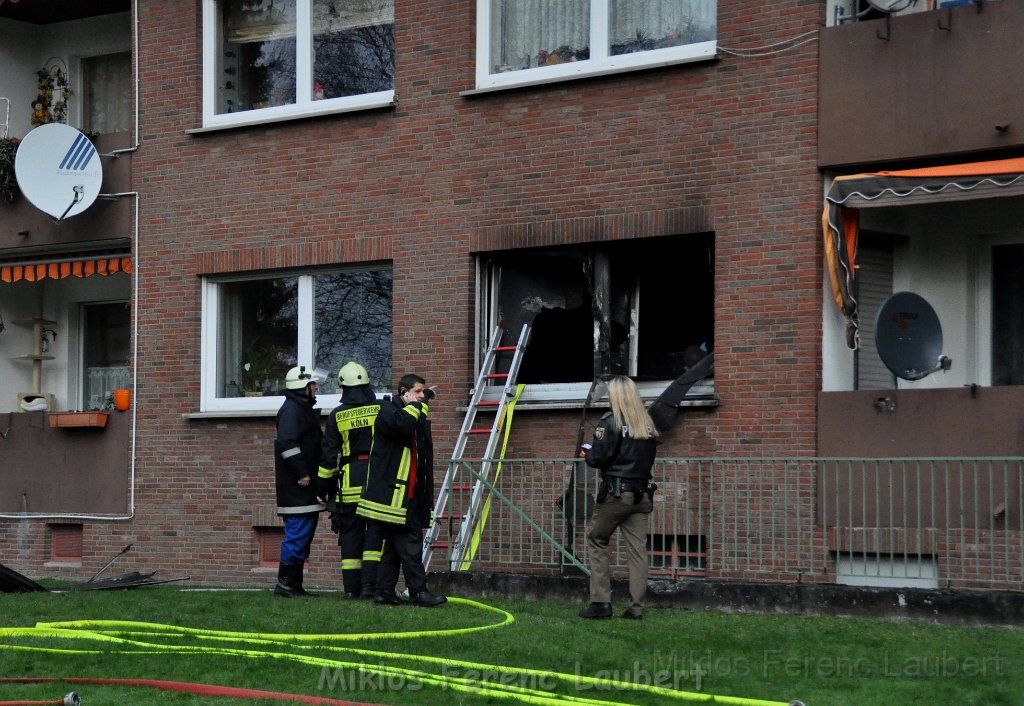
(628,408)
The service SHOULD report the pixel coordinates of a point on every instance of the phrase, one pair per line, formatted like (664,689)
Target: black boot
(298,581)
(426,599)
(597,610)
(286,582)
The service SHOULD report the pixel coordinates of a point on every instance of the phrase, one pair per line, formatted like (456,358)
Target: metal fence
(925,522)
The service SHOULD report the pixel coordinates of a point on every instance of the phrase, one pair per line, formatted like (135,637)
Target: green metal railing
(927,522)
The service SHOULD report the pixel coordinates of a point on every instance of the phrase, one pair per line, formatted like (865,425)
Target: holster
(334,511)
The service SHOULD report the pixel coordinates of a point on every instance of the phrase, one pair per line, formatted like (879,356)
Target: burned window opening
(629,307)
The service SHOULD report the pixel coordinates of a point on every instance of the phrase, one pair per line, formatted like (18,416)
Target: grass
(819,660)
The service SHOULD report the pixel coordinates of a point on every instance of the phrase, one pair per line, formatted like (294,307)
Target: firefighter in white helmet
(296,455)
(344,459)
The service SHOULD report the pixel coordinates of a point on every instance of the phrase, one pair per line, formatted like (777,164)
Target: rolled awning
(61,268)
(848,194)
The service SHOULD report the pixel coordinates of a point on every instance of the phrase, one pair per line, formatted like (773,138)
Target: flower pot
(122,400)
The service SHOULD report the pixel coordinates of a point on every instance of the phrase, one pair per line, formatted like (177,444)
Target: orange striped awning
(61,269)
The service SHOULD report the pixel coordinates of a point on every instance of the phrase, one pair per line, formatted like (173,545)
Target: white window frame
(599,63)
(304,105)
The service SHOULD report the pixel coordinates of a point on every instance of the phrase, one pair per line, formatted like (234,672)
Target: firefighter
(343,463)
(296,455)
(399,491)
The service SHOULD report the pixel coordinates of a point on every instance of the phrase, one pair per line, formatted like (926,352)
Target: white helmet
(301,375)
(352,374)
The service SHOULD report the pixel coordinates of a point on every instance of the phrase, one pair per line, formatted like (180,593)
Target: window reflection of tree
(353,322)
(356,61)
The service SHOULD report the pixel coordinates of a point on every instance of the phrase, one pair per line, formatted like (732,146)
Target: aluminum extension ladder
(477,403)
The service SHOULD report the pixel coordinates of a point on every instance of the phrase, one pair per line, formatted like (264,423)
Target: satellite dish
(58,170)
(909,337)
(890,6)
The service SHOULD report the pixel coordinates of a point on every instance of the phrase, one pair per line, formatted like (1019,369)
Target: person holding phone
(399,492)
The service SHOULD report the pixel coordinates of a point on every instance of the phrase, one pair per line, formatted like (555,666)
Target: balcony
(921,86)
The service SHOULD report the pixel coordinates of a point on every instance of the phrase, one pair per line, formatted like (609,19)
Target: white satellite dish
(58,170)
(890,6)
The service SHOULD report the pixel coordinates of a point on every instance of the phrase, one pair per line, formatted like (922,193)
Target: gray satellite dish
(909,337)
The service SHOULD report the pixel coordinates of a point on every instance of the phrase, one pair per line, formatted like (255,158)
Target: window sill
(264,119)
(535,77)
(245,413)
(573,395)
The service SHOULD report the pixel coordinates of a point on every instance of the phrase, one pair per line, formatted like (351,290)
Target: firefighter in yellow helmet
(344,459)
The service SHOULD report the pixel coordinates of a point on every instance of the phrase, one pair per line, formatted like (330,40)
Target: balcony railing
(925,522)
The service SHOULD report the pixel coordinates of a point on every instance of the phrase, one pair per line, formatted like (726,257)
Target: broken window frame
(600,274)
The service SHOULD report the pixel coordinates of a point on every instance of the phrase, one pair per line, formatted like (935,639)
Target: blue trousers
(298,536)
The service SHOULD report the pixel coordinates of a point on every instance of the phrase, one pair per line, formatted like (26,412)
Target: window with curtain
(107,93)
(106,339)
(527,40)
(256,328)
(255,53)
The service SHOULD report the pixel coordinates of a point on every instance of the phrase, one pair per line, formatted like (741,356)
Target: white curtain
(107,104)
(525,33)
(658,20)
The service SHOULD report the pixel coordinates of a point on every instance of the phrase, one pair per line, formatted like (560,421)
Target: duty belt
(615,486)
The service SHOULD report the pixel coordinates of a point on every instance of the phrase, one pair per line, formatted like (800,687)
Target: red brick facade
(726,146)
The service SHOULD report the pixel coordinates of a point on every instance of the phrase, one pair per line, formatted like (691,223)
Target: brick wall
(424,184)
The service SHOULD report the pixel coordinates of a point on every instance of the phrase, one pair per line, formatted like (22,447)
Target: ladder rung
(505,348)
(488,403)
(439,544)
(481,430)
(495,376)
(462,487)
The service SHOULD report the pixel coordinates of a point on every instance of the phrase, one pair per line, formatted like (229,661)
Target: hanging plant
(8,184)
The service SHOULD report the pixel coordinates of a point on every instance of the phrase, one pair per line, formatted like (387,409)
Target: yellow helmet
(352,374)
(301,375)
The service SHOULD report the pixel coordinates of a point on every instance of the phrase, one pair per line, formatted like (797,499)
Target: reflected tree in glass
(352,321)
(258,337)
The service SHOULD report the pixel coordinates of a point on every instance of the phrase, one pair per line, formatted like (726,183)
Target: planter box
(78,419)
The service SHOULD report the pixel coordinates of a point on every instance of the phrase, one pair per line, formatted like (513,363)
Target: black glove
(428,394)
(326,487)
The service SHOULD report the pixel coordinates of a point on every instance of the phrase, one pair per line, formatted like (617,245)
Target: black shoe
(352,595)
(630,615)
(387,599)
(427,599)
(597,610)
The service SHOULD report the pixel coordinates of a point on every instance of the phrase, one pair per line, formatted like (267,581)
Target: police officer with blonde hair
(623,449)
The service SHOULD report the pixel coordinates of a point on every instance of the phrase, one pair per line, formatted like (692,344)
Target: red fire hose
(200,689)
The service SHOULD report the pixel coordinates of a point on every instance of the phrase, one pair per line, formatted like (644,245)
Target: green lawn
(349,650)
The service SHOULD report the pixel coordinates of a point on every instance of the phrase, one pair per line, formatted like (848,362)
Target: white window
(521,42)
(642,308)
(255,329)
(267,60)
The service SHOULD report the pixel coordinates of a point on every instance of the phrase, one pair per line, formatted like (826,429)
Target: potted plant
(8,184)
(260,369)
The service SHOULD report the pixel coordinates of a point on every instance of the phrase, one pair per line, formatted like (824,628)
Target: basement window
(66,543)
(269,546)
(640,307)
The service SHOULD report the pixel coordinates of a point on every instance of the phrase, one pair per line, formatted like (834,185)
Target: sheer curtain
(642,25)
(531,33)
(107,93)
